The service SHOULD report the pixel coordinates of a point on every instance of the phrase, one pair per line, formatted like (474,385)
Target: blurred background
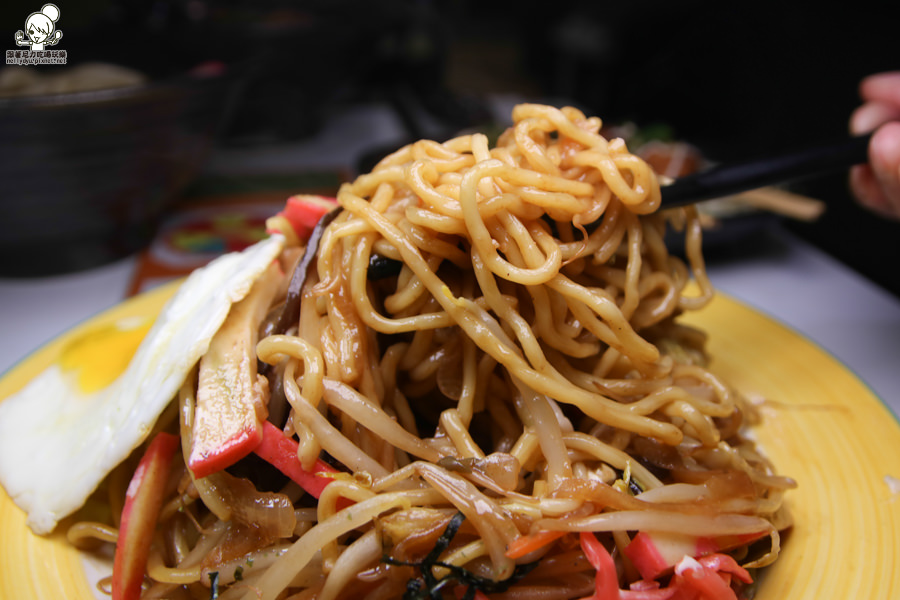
(300,96)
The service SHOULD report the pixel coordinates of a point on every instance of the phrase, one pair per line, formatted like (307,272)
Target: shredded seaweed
(430,587)
(634,487)
(382,267)
(213,585)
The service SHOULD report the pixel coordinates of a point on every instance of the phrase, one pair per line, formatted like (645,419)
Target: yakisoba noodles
(511,405)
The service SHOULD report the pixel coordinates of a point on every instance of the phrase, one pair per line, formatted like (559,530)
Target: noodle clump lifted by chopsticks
(515,378)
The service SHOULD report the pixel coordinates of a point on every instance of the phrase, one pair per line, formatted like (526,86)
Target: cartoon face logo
(40,28)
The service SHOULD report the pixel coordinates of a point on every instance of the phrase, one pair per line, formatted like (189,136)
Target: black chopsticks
(725,180)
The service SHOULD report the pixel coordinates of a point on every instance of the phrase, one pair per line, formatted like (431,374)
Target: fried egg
(71,425)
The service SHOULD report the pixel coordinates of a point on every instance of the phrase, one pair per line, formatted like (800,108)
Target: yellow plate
(822,426)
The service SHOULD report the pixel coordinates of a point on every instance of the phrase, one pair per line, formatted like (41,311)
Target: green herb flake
(429,587)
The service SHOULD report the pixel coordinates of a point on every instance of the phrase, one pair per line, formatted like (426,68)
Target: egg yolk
(100,355)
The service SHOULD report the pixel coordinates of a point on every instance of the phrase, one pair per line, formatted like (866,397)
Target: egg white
(58,443)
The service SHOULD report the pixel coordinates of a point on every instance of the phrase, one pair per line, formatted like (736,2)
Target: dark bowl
(88,175)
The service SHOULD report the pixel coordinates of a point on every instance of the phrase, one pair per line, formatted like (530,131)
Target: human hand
(877,184)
